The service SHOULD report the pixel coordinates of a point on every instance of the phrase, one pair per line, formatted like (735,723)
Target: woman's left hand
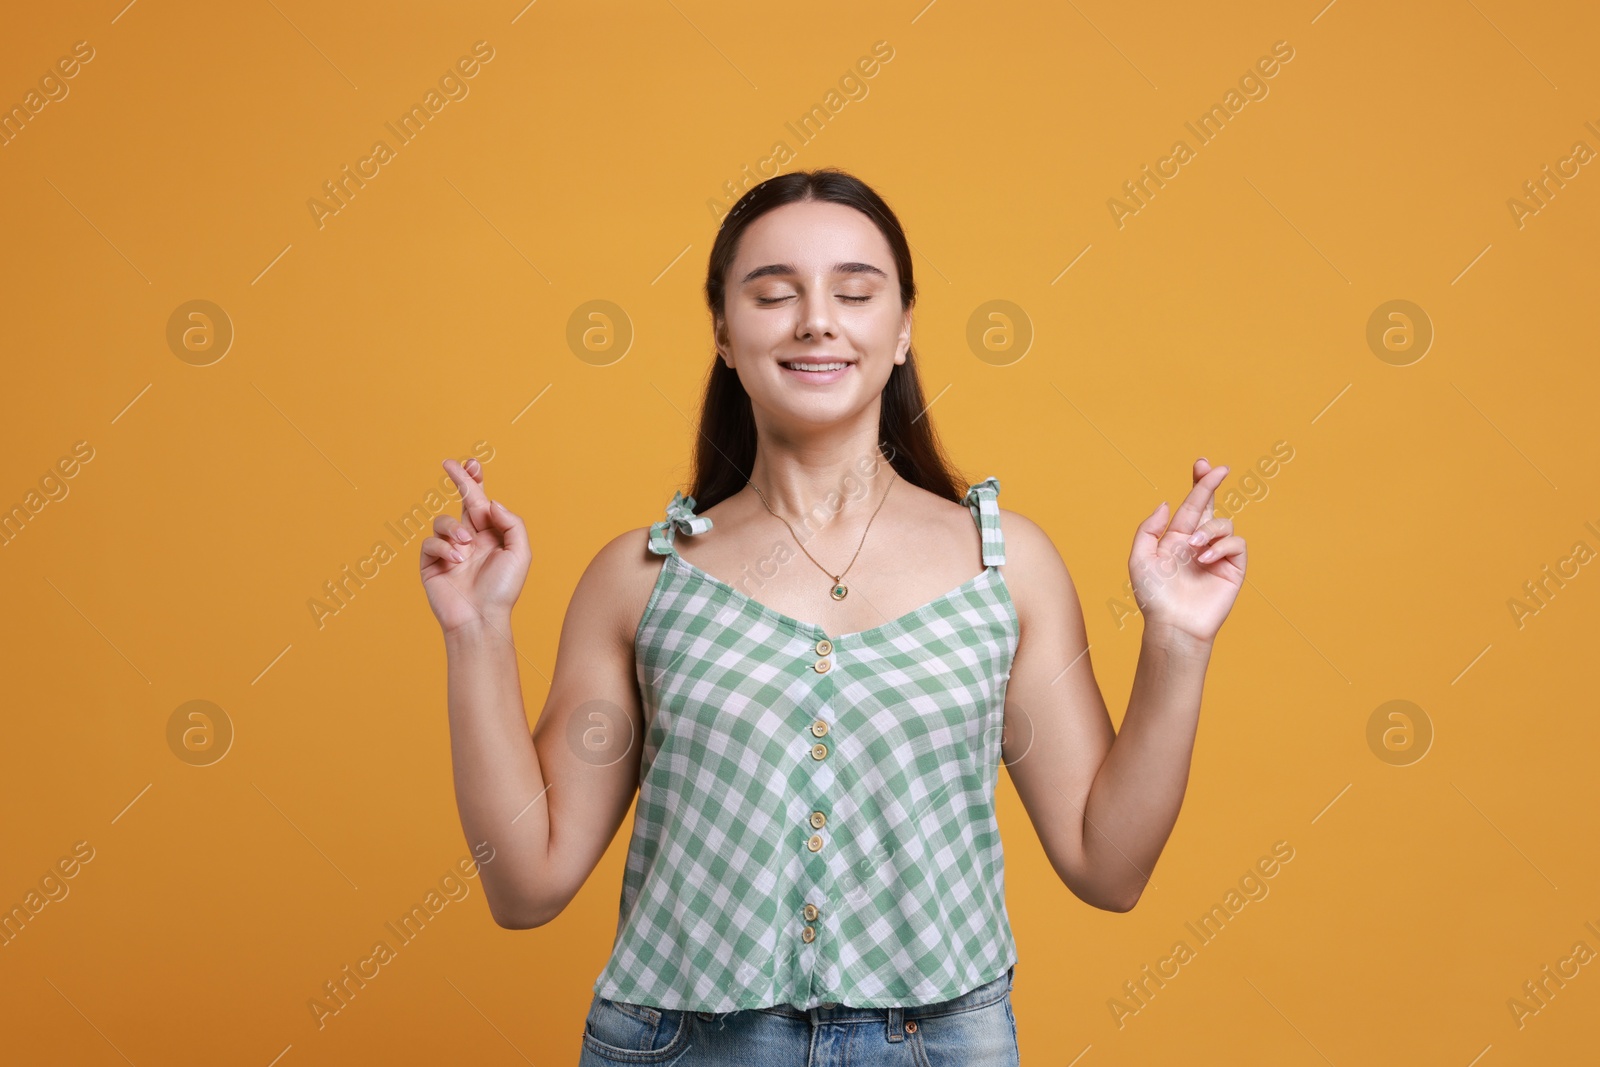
(1185,587)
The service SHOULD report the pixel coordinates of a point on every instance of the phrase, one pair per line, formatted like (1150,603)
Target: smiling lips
(817,370)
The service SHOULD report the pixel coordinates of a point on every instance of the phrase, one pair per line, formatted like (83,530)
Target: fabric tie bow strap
(983,500)
(680,519)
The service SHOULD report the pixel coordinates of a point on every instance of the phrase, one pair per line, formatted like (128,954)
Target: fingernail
(502,507)
(1198,538)
(1205,557)
(462,535)
(457,556)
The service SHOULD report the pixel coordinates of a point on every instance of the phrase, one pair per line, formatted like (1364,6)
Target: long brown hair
(725,447)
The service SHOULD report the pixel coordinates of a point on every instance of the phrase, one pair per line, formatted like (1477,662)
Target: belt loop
(896,1021)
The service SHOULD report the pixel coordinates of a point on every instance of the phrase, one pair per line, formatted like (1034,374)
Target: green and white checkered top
(815,820)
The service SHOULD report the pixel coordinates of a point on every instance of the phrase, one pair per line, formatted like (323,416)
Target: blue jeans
(975,1029)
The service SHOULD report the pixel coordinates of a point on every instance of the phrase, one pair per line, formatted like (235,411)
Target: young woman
(812,691)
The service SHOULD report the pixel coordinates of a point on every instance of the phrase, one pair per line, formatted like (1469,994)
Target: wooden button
(814,842)
(820,727)
(810,912)
(824,647)
(809,934)
(819,751)
(821,666)
(818,820)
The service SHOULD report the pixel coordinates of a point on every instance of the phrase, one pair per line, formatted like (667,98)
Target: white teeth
(816,367)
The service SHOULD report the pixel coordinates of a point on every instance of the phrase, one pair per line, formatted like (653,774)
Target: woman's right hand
(473,568)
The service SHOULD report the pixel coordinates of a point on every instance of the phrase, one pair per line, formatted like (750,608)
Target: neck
(813,487)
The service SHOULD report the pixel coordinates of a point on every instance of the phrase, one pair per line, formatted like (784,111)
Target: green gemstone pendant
(839,591)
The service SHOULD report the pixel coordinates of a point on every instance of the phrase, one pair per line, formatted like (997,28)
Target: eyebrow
(788,268)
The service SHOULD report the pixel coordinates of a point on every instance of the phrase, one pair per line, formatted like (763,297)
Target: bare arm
(550,803)
(1104,803)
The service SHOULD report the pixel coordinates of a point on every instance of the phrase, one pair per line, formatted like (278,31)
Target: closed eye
(768,301)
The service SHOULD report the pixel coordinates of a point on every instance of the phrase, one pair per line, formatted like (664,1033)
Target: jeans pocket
(974,1037)
(634,1033)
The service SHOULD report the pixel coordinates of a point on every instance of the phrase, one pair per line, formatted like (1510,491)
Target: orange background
(1229,313)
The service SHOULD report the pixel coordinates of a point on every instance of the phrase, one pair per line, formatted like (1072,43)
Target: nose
(816,315)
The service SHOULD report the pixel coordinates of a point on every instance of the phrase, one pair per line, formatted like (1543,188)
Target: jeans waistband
(979,997)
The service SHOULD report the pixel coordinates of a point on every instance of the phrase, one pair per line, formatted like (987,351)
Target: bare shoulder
(936,516)
(1035,573)
(618,582)
(1027,540)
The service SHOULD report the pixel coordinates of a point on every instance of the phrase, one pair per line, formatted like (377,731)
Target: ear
(719,333)
(903,342)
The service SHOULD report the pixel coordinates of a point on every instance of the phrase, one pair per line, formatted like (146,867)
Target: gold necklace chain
(839,590)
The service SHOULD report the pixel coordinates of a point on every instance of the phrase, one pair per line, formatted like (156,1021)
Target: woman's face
(813,282)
